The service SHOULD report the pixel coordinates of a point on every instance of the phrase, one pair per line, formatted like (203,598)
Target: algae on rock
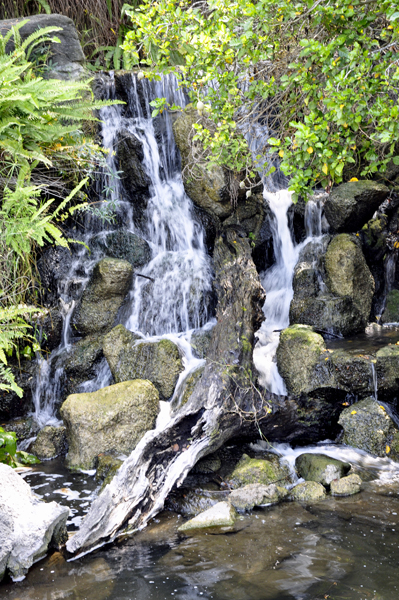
(111,420)
(257,470)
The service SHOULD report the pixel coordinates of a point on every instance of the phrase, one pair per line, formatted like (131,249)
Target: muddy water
(341,549)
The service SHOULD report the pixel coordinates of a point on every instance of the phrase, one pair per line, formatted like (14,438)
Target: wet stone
(221,514)
(308,491)
(257,470)
(50,442)
(347,486)
(320,468)
(249,496)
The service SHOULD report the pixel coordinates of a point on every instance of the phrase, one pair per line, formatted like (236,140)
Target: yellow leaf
(281,153)
(354,179)
(326,358)
(354,412)
(387,449)
(382,408)
(310,150)
(325,168)
(341,105)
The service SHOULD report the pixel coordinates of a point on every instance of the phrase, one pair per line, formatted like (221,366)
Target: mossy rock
(107,467)
(347,486)
(391,312)
(129,358)
(320,468)
(387,369)
(247,497)
(112,420)
(50,442)
(308,491)
(298,353)
(257,470)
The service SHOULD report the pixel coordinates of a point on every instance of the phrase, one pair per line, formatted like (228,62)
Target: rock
(308,491)
(367,426)
(320,468)
(50,326)
(53,266)
(136,182)
(66,57)
(245,498)
(298,353)
(191,502)
(351,205)
(387,369)
(28,526)
(129,358)
(347,486)
(257,470)
(111,420)
(200,340)
(80,363)
(183,392)
(391,312)
(206,188)
(50,442)
(333,286)
(221,514)
(24,428)
(106,468)
(103,296)
(124,245)
(209,464)
(11,405)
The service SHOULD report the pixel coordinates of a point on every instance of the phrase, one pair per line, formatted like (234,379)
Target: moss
(391,312)
(255,470)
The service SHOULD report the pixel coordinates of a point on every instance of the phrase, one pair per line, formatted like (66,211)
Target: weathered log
(223,396)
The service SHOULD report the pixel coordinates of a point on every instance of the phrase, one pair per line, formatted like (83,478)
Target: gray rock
(80,363)
(66,57)
(50,442)
(245,498)
(367,426)
(351,205)
(308,491)
(103,296)
(221,514)
(347,486)
(24,428)
(53,266)
(387,368)
(200,341)
(320,468)
(136,182)
(124,245)
(209,464)
(333,286)
(111,420)
(391,312)
(129,358)
(29,525)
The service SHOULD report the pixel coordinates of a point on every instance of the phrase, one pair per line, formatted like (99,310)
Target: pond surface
(369,342)
(338,548)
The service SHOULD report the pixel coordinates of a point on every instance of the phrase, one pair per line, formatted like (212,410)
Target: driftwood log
(225,404)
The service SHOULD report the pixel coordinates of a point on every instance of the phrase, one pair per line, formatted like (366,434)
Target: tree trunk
(223,399)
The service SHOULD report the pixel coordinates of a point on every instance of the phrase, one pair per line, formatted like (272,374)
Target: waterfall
(173,297)
(277,282)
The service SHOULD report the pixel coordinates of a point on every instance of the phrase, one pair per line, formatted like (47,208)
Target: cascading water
(277,282)
(172,298)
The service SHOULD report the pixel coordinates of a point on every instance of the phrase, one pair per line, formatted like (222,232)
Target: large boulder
(67,58)
(125,245)
(103,297)
(28,526)
(367,426)
(351,205)
(333,286)
(129,358)
(320,468)
(111,420)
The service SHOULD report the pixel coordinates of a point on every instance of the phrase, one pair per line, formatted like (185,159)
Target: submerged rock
(347,486)
(351,205)
(129,358)
(111,420)
(257,470)
(320,468)
(103,296)
(367,426)
(50,442)
(221,514)
(245,498)
(308,491)
(28,526)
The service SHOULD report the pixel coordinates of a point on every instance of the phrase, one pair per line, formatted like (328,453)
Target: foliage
(9,453)
(322,76)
